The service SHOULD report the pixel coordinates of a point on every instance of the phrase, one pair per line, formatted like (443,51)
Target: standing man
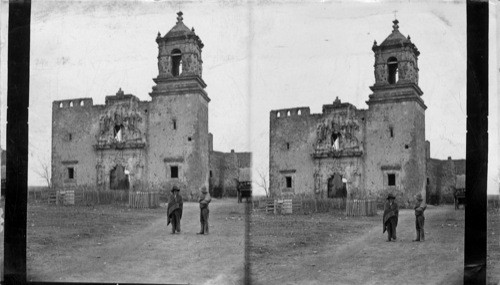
(204,201)
(419,218)
(390,221)
(174,210)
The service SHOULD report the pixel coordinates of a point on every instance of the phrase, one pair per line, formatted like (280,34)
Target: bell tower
(178,114)
(395,152)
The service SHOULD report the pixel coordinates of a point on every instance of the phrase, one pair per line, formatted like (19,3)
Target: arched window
(82,103)
(118,132)
(60,105)
(176,62)
(392,65)
(278,114)
(71,104)
(299,112)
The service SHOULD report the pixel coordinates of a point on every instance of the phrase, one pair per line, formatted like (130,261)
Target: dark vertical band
(17,141)
(477,142)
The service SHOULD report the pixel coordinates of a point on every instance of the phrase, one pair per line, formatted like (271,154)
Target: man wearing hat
(390,221)
(419,217)
(174,210)
(204,201)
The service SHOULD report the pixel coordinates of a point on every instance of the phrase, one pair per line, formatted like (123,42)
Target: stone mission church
(351,152)
(129,144)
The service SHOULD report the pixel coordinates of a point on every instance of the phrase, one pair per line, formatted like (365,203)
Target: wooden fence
(293,206)
(143,199)
(101,197)
(361,208)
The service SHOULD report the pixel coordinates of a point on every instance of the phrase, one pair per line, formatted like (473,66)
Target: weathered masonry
(131,144)
(350,152)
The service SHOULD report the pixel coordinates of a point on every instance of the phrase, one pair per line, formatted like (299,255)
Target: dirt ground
(493,247)
(116,244)
(329,248)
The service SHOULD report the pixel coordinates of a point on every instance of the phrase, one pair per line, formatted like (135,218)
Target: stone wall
(292,137)
(74,129)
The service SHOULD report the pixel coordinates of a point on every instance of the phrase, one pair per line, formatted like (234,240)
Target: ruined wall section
(73,136)
(292,135)
(178,137)
(442,175)
(433,188)
(395,144)
(225,167)
(216,172)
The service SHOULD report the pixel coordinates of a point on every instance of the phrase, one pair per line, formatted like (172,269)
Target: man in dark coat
(174,210)
(204,201)
(419,218)
(390,221)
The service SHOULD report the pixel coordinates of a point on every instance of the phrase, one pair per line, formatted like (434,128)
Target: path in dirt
(369,259)
(152,254)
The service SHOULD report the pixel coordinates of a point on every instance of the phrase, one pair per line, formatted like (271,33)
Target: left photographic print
(138,142)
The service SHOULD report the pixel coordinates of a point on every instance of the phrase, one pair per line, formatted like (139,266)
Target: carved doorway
(336,187)
(118,179)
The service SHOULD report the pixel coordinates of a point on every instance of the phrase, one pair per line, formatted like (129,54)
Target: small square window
(71,173)
(174,172)
(391,179)
(288,181)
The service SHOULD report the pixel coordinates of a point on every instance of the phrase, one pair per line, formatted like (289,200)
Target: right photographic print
(359,144)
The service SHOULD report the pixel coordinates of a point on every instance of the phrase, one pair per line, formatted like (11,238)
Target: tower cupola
(396,59)
(179,61)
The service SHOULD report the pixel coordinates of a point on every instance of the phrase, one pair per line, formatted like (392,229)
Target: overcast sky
(257,57)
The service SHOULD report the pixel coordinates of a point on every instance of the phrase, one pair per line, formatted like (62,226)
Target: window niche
(391,179)
(288,181)
(174,171)
(71,173)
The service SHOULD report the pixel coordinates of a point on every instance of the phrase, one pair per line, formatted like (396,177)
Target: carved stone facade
(372,151)
(129,144)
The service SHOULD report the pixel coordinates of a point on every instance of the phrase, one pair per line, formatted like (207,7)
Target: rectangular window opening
(288,181)
(391,131)
(391,179)
(174,172)
(71,173)
(174,124)
(287,145)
